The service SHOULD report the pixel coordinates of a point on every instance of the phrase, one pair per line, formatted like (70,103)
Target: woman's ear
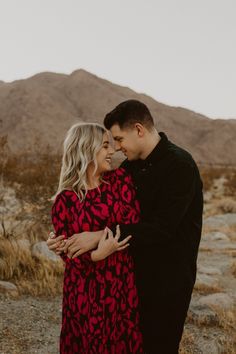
(140,129)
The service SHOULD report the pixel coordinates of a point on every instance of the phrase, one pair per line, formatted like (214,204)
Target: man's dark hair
(128,113)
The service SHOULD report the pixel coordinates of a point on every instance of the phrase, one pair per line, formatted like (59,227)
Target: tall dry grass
(210,174)
(32,275)
(34,178)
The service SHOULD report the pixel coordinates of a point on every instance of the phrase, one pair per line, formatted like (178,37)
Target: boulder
(8,288)
(40,249)
(202,315)
(218,221)
(219,300)
(208,270)
(204,280)
(215,236)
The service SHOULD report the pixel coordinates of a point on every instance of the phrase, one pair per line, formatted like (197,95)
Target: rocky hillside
(35,114)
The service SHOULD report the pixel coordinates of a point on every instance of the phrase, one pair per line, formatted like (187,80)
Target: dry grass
(233,269)
(204,289)
(228,345)
(226,319)
(187,342)
(225,205)
(211,174)
(34,276)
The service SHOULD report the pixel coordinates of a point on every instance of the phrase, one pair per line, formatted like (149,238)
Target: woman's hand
(109,244)
(56,244)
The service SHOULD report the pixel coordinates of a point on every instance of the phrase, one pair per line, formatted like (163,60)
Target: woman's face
(105,154)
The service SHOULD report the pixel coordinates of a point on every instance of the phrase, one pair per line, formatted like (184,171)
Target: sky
(180,52)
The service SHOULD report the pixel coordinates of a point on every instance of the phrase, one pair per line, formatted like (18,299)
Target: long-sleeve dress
(100,301)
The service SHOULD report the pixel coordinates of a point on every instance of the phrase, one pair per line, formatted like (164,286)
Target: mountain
(36,112)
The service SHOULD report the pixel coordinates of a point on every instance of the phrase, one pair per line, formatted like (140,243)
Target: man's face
(126,140)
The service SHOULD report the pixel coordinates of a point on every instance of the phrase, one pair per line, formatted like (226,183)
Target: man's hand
(109,244)
(81,243)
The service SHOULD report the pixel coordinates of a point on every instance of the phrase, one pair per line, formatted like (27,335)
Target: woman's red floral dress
(100,302)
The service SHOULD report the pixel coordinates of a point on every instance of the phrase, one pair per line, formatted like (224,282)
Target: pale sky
(180,52)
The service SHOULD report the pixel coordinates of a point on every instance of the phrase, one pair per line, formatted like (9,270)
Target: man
(165,242)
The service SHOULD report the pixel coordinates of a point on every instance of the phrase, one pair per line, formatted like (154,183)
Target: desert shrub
(210,173)
(226,205)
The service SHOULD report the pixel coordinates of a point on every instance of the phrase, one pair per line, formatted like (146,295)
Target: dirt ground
(30,325)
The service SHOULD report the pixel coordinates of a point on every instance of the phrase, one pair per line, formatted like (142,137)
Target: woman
(100,302)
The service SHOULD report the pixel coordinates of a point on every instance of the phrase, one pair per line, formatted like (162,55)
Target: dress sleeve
(128,203)
(61,219)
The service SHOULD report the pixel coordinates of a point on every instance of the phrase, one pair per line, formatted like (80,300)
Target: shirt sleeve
(162,223)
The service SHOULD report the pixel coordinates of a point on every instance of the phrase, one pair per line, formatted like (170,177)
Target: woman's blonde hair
(81,145)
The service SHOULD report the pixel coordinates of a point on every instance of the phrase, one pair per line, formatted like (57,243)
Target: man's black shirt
(165,242)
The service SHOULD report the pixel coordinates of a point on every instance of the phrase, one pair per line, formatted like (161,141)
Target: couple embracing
(129,237)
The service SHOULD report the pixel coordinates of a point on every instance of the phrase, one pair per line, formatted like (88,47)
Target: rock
(23,244)
(207,196)
(215,236)
(208,346)
(208,270)
(218,245)
(217,221)
(202,315)
(40,249)
(220,300)
(204,280)
(8,288)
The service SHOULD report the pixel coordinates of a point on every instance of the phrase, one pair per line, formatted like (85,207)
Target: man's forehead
(116,131)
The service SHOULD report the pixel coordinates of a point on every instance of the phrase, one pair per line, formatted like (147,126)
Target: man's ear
(140,129)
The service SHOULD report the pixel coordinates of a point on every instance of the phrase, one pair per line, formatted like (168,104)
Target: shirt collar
(158,152)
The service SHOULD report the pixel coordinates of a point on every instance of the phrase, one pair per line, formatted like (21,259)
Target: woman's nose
(111,150)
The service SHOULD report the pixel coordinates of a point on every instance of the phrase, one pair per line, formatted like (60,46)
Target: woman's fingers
(110,233)
(77,254)
(72,251)
(52,241)
(104,236)
(117,236)
(123,247)
(122,243)
(54,245)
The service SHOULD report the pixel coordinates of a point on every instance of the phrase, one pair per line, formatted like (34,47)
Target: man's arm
(162,223)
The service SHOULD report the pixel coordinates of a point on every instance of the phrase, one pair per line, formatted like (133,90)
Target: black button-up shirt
(165,242)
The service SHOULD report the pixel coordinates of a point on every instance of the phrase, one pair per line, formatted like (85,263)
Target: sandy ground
(29,325)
